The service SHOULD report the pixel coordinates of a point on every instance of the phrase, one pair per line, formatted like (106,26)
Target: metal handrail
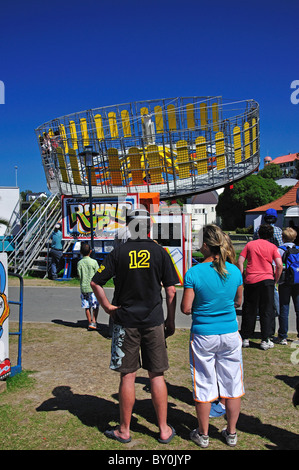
(33,236)
(18,368)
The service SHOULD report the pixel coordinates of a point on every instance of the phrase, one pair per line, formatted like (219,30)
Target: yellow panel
(63,138)
(74,137)
(237,144)
(143,111)
(135,164)
(75,167)
(126,123)
(203,115)
(84,132)
(99,126)
(215,117)
(171,117)
(113,125)
(201,155)
(114,167)
(183,159)
(220,155)
(62,165)
(159,119)
(254,136)
(246,140)
(190,116)
(51,133)
(153,158)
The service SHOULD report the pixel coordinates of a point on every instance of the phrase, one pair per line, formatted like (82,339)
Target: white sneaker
(245,343)
(231,439)
(283,341)
(266,345)
(200,439)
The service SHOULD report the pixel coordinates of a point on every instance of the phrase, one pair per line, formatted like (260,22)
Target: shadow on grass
(92,411)
(102,329)
(99,413)
(290,381)
(281,439)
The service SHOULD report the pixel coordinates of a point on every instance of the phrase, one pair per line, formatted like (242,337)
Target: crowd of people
(213,290)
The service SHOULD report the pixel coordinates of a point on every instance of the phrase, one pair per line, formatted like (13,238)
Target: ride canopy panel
(174,146)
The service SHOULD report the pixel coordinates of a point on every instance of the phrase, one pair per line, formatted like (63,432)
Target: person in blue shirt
(56,252)
(212,291)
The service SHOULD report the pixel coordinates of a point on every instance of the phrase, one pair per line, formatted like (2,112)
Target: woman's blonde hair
(231,253)
(215,239)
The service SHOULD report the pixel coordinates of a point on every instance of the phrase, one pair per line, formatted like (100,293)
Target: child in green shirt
(87,267)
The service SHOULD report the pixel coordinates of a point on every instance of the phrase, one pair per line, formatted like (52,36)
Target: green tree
(271,171)
(248,193)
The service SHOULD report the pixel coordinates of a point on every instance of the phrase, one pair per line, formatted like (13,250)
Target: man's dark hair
(266,231)
(270,219)
(85,249)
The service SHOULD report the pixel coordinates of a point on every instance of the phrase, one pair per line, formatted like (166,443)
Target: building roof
(286,158)
(287,200)
(210,197)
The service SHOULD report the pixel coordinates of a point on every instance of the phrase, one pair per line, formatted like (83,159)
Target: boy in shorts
(87,267)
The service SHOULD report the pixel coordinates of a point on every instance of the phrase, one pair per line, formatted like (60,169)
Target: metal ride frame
(176,146)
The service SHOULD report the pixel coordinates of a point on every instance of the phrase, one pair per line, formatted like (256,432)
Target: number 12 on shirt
(139,259)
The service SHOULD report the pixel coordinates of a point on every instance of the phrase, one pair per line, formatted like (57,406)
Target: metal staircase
(30,244)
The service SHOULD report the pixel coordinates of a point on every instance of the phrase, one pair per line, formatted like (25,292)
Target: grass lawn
(66,396)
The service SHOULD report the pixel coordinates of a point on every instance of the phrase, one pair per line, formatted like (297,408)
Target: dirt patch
(37,282)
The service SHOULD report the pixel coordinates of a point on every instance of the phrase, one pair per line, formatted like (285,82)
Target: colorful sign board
(172,231)
(5,366)
(108,216)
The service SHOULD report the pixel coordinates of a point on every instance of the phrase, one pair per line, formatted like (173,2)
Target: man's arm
(170,292)
(102,298)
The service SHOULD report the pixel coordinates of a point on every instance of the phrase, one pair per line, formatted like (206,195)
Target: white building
(287,163)
(9,206)
(202,208)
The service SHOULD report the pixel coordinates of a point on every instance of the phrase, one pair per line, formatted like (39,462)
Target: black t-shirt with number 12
(139,268)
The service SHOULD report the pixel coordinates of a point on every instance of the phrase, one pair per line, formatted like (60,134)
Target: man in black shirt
(140,267)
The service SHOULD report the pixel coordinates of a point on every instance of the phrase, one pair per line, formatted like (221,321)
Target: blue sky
(60,57)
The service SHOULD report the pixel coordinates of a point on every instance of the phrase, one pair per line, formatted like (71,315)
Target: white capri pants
(216,366)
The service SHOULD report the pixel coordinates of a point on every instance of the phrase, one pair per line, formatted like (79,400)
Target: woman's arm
(239,296)
(187,301)
(240,263)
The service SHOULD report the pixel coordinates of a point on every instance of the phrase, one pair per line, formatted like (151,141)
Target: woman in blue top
(212,291)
